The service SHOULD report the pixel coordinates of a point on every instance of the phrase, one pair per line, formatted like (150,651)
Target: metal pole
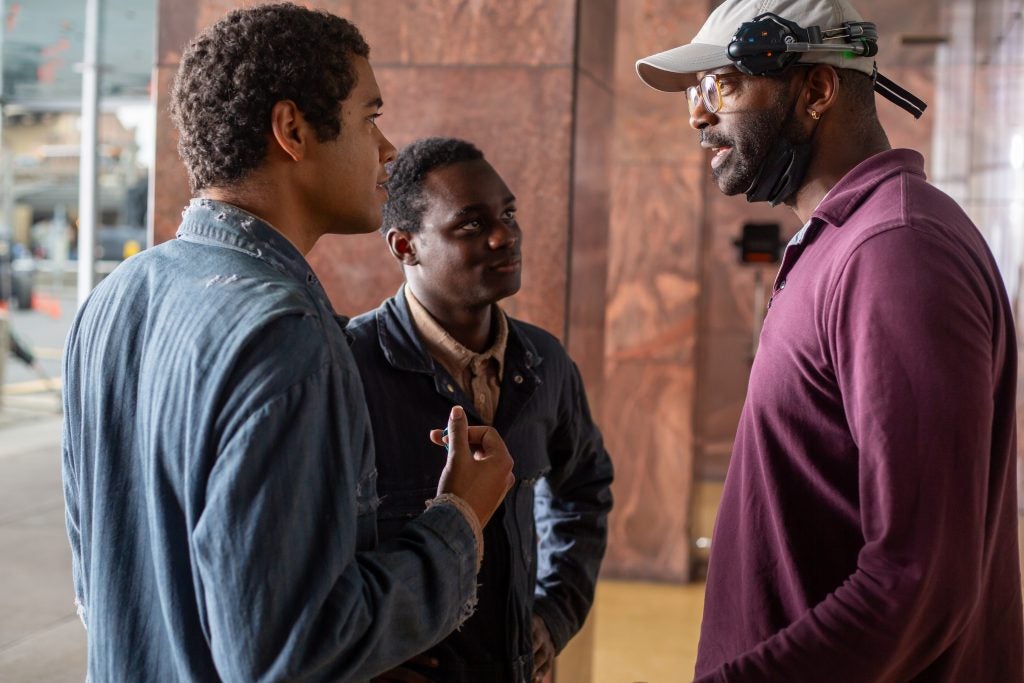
(8,203)
(7,171)
(87,169)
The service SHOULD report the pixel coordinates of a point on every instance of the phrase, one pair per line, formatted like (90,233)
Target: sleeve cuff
(470,516)
(559,631)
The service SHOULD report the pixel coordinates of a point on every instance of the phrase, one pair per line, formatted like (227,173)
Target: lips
(719,149)
(720,154)
(381,187)
(509,265)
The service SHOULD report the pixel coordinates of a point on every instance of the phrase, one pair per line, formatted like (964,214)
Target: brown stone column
(653,295)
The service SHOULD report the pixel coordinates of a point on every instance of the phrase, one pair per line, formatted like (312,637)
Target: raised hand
(479,468)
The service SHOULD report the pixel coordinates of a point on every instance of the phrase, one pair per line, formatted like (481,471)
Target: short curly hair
(233,73)
(404,208)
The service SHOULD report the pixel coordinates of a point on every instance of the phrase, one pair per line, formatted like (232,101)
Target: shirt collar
(848,194)
(208,221)
(437,340)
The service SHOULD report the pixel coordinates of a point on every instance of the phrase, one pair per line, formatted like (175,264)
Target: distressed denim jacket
(544,545)
(219,476)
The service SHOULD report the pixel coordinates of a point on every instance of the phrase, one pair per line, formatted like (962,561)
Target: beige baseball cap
(707,50)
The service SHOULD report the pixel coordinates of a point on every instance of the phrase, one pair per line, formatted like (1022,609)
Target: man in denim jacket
(218,464)
(443,340)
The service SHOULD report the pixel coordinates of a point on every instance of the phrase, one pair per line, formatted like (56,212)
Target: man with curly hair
(443,340)
(218,463)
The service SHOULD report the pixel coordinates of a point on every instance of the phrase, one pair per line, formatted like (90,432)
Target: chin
(731,184)
(505,293)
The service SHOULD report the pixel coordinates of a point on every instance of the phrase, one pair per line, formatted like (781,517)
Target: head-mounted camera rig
(769,45)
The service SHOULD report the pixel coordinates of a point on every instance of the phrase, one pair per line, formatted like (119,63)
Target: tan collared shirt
(478,374)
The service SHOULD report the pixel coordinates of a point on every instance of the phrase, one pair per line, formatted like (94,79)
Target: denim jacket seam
(279,395)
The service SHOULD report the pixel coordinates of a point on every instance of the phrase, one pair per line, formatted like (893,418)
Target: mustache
(713,140)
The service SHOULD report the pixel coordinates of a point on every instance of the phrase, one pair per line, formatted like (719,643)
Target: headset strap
(897,95)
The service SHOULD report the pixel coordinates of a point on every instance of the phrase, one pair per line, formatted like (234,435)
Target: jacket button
(450,388)
(518,379)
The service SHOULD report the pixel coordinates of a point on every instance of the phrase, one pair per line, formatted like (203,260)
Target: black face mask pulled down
(782,172)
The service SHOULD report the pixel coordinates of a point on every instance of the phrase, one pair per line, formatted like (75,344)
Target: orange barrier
(46,304)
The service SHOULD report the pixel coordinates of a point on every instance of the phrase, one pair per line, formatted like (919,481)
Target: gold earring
(814,115)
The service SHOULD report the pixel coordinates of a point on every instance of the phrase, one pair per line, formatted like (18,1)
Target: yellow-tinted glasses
(708,92)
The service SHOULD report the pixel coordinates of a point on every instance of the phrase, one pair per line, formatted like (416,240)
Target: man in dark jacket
(443,340)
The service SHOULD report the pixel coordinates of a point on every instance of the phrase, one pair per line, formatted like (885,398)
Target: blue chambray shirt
(219,476)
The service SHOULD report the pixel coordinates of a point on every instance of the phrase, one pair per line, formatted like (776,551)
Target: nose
(387,150)
(503,235)
(700,117)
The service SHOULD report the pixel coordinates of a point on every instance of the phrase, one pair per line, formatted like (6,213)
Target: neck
(834,157)
(471,327)
(280,210)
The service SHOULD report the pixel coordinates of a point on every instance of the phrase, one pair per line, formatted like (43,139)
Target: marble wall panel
(653,292)
(175,26)
(419,32)
(651,126)
(171,190)
(595,48)
(648,427)
(357,271)
(180,20)
(725,338)
(588,248)
(650,365)
(653,262)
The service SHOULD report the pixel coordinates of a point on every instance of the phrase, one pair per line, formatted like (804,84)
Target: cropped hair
(404,208)
(233,73)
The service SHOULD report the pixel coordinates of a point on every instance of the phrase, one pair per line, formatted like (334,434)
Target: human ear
(402,247)
(821,89)
(290,130)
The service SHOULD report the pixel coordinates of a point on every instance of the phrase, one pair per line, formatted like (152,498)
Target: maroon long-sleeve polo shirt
(868,528)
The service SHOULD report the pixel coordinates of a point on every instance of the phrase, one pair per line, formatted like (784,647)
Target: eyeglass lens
(706,91)
(710,94)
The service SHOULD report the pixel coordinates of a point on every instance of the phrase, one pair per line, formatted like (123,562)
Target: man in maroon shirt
(868,528)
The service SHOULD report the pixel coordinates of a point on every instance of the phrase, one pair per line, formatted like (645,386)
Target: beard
(751,141)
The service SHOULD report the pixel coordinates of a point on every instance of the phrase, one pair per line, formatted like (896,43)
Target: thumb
(458,434)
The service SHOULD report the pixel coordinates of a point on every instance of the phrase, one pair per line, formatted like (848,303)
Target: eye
(510,214)
(372,118)
(471,226)
(726,86)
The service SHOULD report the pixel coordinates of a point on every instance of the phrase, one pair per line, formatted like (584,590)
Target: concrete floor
(41,638)
(646,633)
